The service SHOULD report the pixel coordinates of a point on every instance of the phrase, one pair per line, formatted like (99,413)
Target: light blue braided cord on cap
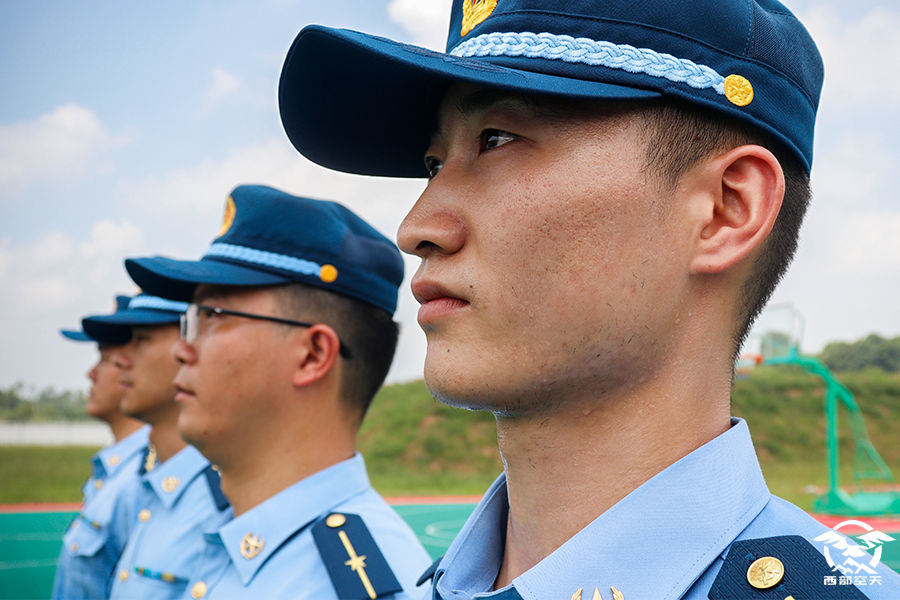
(590,52)
(261,257)
(154,303)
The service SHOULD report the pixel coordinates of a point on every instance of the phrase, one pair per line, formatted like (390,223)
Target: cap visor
(77,336)
(177,279)
(362,104)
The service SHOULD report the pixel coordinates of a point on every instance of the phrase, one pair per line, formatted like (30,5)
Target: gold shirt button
(198,591)
(98,483)
(123,575)
(144,515)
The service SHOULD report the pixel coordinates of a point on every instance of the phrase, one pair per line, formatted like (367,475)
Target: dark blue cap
(363,104)
(143,309)
(81,336)
(269,237)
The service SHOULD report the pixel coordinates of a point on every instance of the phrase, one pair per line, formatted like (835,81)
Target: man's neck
(164,437)
(251,477)
(567,468)
(123,426)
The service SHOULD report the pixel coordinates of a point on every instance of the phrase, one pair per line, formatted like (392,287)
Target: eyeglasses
(190,322)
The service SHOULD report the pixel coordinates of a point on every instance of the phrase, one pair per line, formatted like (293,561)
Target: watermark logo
(858,566)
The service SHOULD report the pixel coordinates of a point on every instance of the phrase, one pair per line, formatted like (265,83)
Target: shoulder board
(429,572)
(778,568)
(356,566)
(215,487)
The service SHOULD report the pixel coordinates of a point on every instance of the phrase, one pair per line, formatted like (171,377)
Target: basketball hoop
(745,364)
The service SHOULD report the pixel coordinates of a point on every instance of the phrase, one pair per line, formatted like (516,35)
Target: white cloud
(54,270)
(222,85)
(860,56)
(110,243)
(868,245)
(109,237)
(425,20)
(856,170)
(50,251)
(196,195)
(65,144)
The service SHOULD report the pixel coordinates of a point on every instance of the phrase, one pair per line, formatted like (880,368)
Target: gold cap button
(144,515)
(198,591)
(123,575)
(765,572)
(335,520)
(738,90)
(98,483)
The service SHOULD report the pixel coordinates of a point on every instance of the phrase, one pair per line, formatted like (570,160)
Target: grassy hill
(416,446)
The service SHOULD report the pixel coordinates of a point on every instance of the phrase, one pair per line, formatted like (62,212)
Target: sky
(124,126)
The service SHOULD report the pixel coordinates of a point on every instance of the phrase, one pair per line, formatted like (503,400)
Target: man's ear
(316,352)
(746,188)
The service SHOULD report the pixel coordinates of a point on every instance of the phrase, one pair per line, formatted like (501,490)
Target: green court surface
(30,543)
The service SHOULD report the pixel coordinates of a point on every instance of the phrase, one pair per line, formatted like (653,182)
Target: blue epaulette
(356,566)
(215,487)
(777,568)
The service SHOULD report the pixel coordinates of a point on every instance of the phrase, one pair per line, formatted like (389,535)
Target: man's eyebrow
(484,99)
(209,293)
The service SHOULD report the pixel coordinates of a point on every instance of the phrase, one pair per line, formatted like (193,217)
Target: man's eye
(492,138)
(434,165)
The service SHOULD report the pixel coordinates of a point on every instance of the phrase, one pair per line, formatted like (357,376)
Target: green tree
(872,351)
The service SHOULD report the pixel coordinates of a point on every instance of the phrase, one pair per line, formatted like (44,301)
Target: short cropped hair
(367,331)
(679,136)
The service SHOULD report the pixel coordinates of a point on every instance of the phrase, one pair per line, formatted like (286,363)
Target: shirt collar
(284,514)
(676,524)
(109,460)
(170,479)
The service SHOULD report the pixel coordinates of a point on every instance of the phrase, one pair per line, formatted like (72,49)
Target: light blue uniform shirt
(95,539)
(289,564)
(177,504)
(666,540)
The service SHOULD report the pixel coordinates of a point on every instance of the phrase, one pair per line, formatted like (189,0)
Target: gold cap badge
(474,12)
(228,218)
